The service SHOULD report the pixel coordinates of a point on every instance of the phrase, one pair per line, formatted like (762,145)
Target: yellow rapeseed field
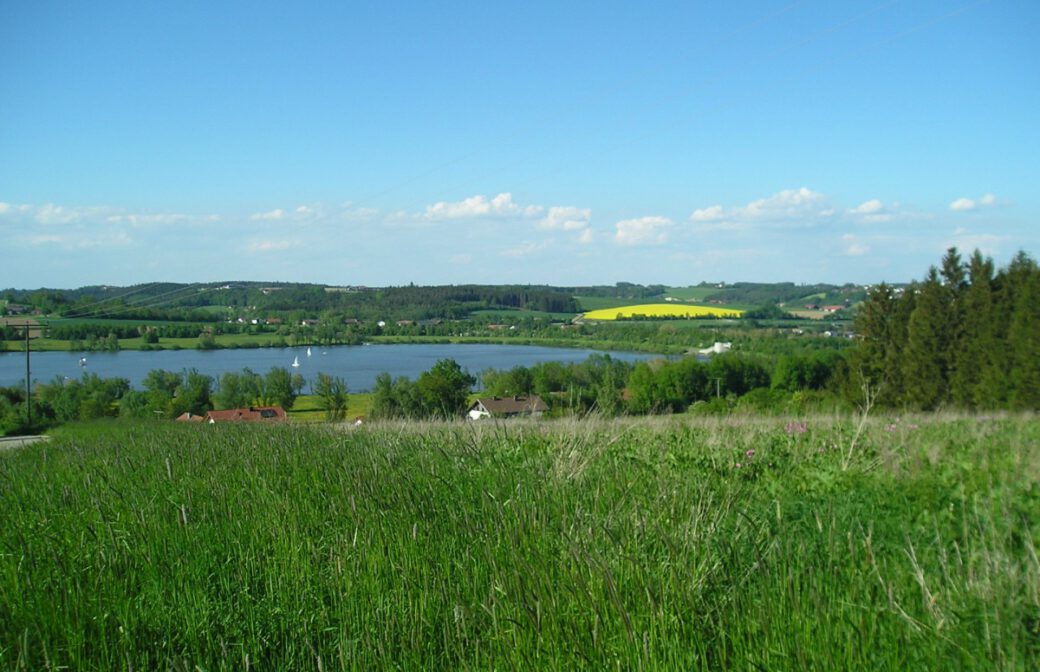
(662,310)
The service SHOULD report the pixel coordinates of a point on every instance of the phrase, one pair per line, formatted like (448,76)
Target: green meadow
(659,544)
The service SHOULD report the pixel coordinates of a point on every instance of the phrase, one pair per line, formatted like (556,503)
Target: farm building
(507,407)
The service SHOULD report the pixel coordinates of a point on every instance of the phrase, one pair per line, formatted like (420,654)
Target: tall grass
(573,545)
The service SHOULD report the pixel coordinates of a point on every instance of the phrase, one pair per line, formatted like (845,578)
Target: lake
(357,364)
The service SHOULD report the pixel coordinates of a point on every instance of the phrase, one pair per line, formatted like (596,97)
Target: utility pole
(28,379)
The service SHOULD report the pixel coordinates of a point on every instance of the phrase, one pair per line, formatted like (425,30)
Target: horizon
(773,141)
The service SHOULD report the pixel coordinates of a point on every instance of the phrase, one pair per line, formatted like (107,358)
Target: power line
(149,302)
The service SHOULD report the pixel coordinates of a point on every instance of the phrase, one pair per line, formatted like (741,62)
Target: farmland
(661,310)
(672,543)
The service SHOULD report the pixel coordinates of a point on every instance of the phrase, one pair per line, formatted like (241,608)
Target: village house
(507,407)
(716,349)
(251,414)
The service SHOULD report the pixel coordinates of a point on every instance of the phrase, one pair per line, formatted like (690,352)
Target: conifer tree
(874,323)
(1024,337)
(925,365)
(972,358)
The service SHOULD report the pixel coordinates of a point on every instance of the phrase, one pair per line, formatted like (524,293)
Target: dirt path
(19,441)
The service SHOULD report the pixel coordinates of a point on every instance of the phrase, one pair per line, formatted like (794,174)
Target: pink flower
(796,428)
(750,453)
(738,465)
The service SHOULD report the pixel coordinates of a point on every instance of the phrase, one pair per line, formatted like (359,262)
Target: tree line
(966,336)
(163,395)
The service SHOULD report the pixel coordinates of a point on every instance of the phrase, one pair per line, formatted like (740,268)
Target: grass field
(308,408)
(691,293)
(588,303)
(669,544)
(516,314)
(652,310)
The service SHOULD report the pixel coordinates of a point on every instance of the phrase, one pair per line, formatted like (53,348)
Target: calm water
(357,364)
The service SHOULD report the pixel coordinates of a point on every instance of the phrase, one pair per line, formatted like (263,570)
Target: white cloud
(480,206)
(642,231)
(151,220)
(75,218)
(787,204)
(868,207)
(987,243)
(968,204)
(79,240)
(271,215)
(567,218)
(586,237)
(262,246)
(875,212)
(50,214)
(525,249)
(712,213)
(799,206)
(301,213)
(854,247)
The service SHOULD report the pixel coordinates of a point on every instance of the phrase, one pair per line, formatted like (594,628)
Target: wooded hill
(214,302)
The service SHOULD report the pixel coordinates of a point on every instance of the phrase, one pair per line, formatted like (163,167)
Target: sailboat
(308,352)
(296,362)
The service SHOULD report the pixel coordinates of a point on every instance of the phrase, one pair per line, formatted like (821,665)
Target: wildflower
(750,452)
(738,465)
(796,428)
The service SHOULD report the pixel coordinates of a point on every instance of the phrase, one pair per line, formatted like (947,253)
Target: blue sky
(453,142)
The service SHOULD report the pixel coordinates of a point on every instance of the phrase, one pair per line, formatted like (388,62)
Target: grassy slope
(557,546)
(308,408)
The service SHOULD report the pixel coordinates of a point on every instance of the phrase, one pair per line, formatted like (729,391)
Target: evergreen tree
(955,284)
(973,356)
(871,362)
(1024,341)
(925,365)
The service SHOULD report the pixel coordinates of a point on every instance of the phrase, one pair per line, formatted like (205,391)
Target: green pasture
(588,303)
(520,314)
(692,293)
(896,543)
(308,407)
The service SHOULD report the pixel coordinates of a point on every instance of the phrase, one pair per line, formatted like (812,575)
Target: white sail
(308,352)
(296,362)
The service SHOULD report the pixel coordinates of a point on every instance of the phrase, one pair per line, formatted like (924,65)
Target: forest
(967,336)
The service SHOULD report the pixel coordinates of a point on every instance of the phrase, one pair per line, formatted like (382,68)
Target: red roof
(251,414)
(190,417)
(517,405)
